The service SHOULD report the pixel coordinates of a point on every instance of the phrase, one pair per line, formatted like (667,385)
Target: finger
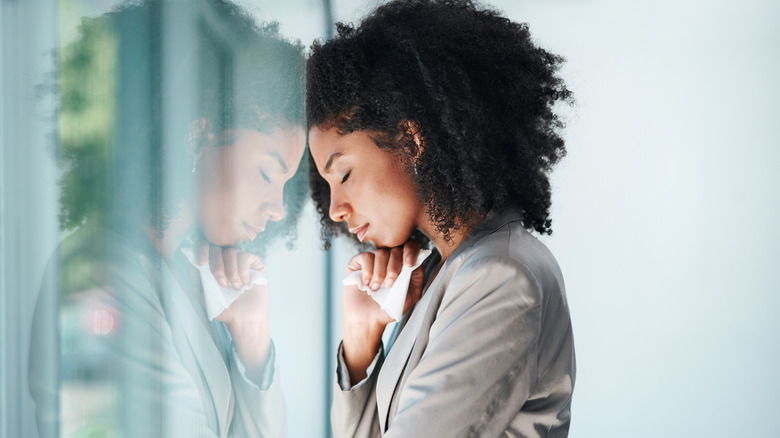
(381,257)
(230,259)
(394,266)
(416,283)
(243,267)
(217,265)
(362,262)
(411,250)
(201,248)
(248,261)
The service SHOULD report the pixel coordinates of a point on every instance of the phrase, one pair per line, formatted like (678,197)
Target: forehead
(328,144)
(323,142)
(287,143)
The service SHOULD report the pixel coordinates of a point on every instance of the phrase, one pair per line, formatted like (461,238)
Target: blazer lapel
(389,379)
(412,340)
(198,351)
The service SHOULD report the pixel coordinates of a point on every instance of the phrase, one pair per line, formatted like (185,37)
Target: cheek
(401,193)
(391,206)
(210,208)
(232,187)
(216,218)
(217,199)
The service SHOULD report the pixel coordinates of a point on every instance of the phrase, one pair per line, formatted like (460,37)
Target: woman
(196,128)
(436,116)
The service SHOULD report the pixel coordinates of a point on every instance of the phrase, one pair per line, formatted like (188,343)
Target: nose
(273,211)
(273,207)
(339,210)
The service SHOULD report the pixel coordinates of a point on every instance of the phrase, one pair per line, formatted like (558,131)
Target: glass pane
(155,129)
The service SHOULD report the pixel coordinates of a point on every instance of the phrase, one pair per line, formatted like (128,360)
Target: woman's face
(240,186)
(368,187)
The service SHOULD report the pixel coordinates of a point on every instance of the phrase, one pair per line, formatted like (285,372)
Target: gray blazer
(164,370)
(487,351)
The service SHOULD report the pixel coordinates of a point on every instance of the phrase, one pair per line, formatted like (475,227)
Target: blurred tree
(86,123)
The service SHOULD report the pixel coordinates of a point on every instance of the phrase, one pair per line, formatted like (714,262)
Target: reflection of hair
(135,165)
(470,82)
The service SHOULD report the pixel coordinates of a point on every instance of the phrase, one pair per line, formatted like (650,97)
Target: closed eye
(265,176)
(346,177)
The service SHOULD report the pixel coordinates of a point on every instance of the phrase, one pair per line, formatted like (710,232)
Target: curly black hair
(469,83)
(127,144)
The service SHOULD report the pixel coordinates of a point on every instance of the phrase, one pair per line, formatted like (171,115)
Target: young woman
(436,117)
(125,342)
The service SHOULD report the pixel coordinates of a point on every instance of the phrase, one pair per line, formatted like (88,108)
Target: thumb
(201,250)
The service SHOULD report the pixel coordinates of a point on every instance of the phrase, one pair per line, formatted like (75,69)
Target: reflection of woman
(436,116)
(139,354)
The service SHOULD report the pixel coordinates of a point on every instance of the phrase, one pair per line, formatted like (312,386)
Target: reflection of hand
(363,320)
(249,326)
(247,318)
(229,265)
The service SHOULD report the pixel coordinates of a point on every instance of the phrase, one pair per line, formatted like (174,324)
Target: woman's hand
(363,320)
(247,318)
(230,266)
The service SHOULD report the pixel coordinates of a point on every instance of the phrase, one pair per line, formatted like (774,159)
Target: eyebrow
(332,157)
(280,160)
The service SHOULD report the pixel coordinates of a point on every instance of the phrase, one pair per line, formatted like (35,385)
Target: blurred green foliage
(86,122)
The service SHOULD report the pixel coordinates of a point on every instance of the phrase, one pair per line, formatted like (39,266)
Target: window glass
(131,133)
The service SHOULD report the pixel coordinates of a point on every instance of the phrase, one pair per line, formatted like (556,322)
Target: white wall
(665,211)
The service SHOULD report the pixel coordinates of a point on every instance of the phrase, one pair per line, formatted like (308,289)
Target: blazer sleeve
(353,413)
(259,411)
(480,362)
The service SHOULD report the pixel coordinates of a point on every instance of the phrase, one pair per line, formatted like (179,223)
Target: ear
(411,130)
(199,135)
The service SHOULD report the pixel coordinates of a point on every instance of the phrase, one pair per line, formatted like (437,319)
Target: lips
(360,232)
(251,231)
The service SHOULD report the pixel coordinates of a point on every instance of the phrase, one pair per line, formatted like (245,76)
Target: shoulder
(94,258)
(505,259)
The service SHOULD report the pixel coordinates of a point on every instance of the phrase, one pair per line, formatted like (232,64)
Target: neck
(445,246)
(168,240)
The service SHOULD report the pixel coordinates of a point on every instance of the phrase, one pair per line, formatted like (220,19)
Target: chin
(389,243)
(221,241)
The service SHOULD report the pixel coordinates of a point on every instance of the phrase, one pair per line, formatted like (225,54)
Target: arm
(360,355)
(354,413)
(363,321)
(198,400)
(259,409)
